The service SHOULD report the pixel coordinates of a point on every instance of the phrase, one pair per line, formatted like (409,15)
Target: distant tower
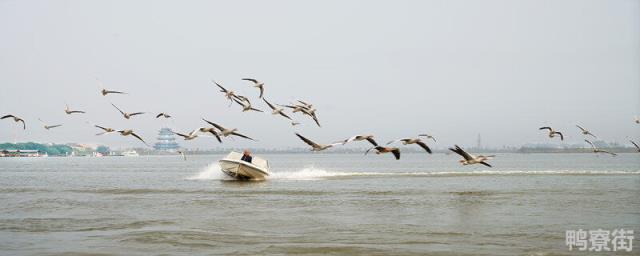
(479,146)
(166,141)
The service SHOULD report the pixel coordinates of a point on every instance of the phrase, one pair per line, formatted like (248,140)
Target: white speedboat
(231,165)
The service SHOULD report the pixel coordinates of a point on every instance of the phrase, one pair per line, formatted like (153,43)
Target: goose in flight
(276,110)
(316,146)
(428,137)
(69,111)
(294,108)
(105,130)
(382,150)
(213,132)
(190,136)
(637,147)
(585,131)
(552,132)
(597,150)
(471,159)
(226,132)
(16,119)
(246,105)
(227,93)
(312,115)
(165,115)
(368,138)
(104,91)
(48,126)
(418,141)
(256,84)
(125,114)
(131,133)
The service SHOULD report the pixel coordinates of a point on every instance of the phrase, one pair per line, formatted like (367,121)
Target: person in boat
(246,156)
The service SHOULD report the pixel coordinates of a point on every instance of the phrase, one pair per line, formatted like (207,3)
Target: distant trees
(54,149)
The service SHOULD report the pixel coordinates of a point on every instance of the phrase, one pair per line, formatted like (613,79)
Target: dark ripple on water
(74,225)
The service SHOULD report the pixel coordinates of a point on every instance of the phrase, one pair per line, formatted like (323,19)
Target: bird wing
(105,129)
(546,127)
(592,146)
(115,92)
(372,141)
(396,153)
(136,113)
(24,126)
(561,136)
(316,120)
(485,164)
(216,135)
(7,116)
(214,125)
(638,147)
(222,89)
(271,106)
(424,146)
(309,142)
(285,115)
(240,135)
(458,150)
(181,135)
(159,115)
(376,147)
(261,91)
(121,112)
(138,137)
(250,79)
(580,127)
(255,109)
(76,111)
(54,126)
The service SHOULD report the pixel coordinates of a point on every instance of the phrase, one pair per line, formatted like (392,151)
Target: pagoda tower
(166,141)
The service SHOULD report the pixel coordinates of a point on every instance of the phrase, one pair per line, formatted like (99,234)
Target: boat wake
(213,172)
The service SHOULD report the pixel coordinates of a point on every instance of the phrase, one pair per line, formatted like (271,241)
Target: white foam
(211,172)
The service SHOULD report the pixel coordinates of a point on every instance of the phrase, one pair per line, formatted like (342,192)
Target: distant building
(166,141)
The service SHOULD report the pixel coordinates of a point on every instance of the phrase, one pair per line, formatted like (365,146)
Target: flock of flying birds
(306,109)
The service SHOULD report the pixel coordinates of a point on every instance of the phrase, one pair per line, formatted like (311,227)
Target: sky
(454,69)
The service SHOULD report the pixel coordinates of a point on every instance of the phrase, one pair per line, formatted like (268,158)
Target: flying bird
(585,131)
(69,111)
(246,105)
(131,133)
(637,147)
(418,141)
(368,138)
(227,93)
(16,119)
(470,159)
(105,130)
(316,146)
(104,91)
(125,114)
(227,132)
(637,120)
(256,84)
(597,150)
(383,150)
(312,114)
(276,110)
(552,132)
(428,137)
(294,123)
(48,126)
(165,115)
(190,136)
(213,132)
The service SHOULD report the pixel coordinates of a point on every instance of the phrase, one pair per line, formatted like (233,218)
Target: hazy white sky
(391,68)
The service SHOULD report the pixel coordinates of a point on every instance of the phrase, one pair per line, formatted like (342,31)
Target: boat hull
(242,170)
